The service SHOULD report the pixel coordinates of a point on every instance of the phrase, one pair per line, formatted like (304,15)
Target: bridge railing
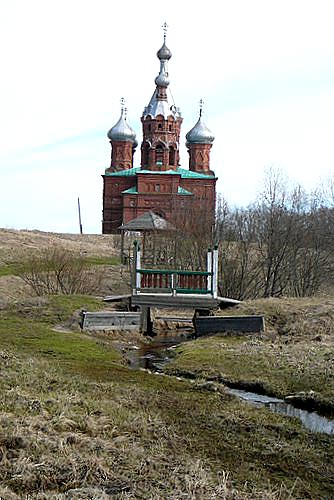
(176,281)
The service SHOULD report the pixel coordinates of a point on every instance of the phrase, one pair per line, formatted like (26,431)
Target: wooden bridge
(197,290)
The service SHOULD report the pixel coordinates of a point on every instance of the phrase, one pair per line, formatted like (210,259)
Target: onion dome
(122,130)
(162,79)
(200,134)
(164,54)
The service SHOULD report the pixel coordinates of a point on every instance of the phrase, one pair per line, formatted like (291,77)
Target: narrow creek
(154,356)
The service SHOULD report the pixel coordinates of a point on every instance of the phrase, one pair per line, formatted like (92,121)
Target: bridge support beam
(146,324)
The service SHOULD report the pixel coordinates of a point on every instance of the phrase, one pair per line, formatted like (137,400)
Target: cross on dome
(201,104)
(165,29)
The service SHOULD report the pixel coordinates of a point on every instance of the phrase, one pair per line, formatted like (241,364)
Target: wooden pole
(79,211)
(122,247)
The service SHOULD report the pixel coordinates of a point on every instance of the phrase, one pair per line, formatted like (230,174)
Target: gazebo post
(122,247)
(136,267)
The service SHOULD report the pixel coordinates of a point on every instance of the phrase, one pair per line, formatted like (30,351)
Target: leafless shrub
(56,270)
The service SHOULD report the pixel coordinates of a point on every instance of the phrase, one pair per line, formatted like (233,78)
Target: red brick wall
(199,157)
(121,156)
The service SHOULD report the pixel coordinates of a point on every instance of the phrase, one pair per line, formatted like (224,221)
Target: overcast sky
(264,68)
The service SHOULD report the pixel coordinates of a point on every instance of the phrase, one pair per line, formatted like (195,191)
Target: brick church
(159,184)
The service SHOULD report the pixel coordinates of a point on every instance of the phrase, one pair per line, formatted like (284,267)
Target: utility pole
(79,211)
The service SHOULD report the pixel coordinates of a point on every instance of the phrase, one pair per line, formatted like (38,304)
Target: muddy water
(157,354)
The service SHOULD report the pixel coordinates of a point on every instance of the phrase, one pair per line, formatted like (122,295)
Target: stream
(154,356)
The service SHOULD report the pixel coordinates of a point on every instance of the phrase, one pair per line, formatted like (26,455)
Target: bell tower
(161,121)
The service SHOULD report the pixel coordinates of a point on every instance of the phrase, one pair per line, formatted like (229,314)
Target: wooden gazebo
(150,226)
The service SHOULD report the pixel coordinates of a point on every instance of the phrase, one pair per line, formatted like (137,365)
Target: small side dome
(200,134)
(122,131)
(164,54)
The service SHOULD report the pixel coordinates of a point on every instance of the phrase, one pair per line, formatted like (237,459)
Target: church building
(159,184)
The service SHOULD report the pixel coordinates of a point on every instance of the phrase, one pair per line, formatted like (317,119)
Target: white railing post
(136,267)
(215,272)
(138,263)
(173,283)
(209,270)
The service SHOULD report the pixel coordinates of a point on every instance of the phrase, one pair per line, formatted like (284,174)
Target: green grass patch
(103,261)
(85,420)
(279,368)
(16,269)
(53,309)
(9,270)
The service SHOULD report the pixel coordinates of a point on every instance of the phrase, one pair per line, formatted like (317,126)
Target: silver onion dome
(122,130)
(162,79)
(164,54)
(200,134)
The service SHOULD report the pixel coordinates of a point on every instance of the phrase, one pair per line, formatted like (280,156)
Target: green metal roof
(181,190)
(161,172)
(185,174)
(188,174)
(124,173)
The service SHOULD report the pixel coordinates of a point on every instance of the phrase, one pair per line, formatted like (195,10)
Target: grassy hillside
(76,422)
(75,419)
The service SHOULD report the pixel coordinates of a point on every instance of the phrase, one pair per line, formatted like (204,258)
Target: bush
(56,270)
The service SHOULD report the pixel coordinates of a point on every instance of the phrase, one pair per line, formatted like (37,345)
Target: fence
(176,281)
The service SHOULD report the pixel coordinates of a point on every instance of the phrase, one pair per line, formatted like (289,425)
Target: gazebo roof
(149,221)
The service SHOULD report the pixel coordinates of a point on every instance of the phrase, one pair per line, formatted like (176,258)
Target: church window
(170,128)
(160,126)
(157,188)
(159,155)
(171,156)
(145,155)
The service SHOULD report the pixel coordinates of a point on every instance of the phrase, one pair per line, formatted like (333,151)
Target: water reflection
(310,420)
(155,355)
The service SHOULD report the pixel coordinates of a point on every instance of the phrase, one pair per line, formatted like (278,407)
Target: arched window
(145,155)
(171,156)
(159,155)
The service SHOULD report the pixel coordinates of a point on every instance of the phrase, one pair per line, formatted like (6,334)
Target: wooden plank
(166,300)
(116,298)
(174,318)
(222,324)
(185,300)
(110,320)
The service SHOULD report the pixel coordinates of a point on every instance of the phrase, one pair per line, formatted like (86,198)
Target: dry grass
(76,423)
(22,242)
(62,438)
(294,355)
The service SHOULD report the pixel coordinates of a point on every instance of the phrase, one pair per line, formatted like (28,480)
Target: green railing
(175,281)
